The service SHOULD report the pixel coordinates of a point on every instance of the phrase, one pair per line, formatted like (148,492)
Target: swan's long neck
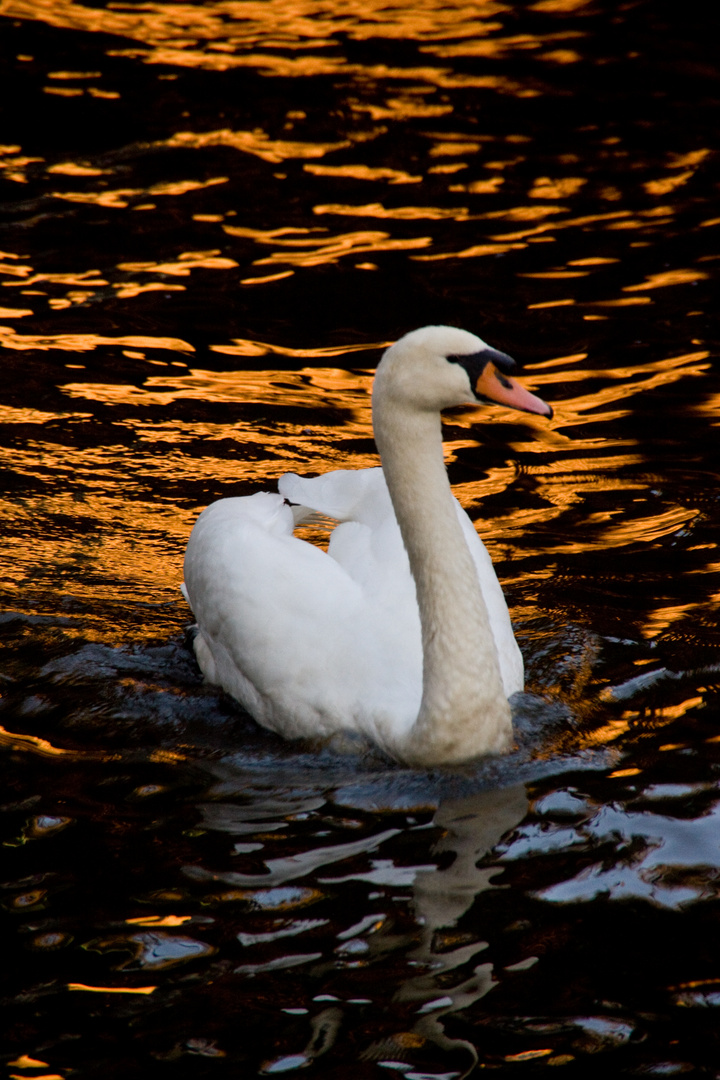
(464,711)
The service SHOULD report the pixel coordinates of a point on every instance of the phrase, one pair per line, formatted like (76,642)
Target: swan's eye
(482,370)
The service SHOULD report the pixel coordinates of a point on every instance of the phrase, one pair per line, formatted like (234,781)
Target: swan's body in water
(400,631)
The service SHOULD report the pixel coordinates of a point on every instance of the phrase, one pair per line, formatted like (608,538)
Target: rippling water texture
(214,215)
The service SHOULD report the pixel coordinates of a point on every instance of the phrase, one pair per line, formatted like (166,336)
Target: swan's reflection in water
(451,972)
(472,826)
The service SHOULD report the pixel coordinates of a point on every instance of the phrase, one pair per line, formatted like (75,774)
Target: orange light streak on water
(257,143)
(185,262)
(166,28)
(120,198)
(70,168)
(363,172)
(87,342)
(33,744)
(138,540)
(562,484)
(398,213)
(667,277)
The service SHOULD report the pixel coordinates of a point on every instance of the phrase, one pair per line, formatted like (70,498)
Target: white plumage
(400,631)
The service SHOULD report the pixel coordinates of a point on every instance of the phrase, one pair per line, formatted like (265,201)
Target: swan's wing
(256,587)
(288,631)
(344,494)
(367,543)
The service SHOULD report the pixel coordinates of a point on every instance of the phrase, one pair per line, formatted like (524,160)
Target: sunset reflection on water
(215,216)
(249,451)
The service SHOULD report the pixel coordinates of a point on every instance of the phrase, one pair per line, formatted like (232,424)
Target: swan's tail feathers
(184,591)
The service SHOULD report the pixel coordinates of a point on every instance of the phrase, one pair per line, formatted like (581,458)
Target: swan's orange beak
(494,385)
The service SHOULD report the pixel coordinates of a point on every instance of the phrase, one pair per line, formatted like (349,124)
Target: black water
(213,216)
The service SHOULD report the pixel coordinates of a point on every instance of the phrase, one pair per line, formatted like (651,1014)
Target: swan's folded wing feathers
(242,557)
(344,494)
(315,650)
(302,515)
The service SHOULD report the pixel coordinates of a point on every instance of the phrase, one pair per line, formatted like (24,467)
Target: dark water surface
(213,216)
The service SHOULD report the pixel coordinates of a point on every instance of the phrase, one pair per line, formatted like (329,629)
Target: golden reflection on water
(667,277)
(70,168)
(33,744)
(499,47)
(257,143)
(133,550)
(133,521)
(185,262)
(363,172)
(11,415)
(134,504)
(334,389)
(297,249)
(246,347)
(171,33)
(545,188)
(120,198)
(76,343)
(322,249)
(627,382)
(566,223)
(474,252)
(111,990)
(398,213)
(331,248)
(135,545)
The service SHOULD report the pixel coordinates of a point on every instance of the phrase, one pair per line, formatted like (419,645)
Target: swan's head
(438,367)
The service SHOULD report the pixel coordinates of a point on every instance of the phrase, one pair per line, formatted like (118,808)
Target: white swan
(400,631)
